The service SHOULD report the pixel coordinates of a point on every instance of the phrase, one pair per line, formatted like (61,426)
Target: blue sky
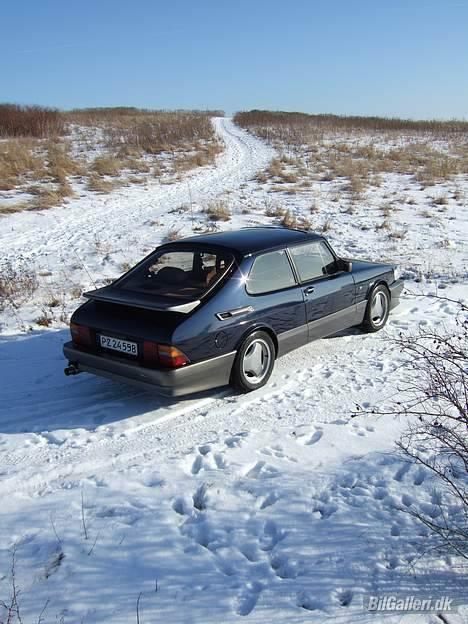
(384,57)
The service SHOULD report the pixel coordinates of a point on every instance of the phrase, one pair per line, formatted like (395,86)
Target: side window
(270,272)
(313,260)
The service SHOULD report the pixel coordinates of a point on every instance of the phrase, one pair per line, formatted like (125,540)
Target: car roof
(254,239)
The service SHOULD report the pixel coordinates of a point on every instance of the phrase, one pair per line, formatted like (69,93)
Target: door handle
(309,290)
(224,316)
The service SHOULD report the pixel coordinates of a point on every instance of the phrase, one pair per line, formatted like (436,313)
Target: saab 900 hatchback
(220,308)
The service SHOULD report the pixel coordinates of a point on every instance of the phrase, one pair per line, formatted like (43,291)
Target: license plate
(116,344)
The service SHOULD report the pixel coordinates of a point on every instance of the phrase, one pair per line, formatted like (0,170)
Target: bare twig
(83,519)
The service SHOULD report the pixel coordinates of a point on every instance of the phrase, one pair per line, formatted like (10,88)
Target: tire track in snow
(125,212)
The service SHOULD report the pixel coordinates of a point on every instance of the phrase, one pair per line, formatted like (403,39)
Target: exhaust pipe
(71,369)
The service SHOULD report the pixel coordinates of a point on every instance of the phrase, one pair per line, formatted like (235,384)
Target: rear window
(185,274)
(270,272)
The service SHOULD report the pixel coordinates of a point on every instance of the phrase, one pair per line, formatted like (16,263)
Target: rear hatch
(124,331)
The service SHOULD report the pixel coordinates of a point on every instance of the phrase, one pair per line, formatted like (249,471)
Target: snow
(281,504)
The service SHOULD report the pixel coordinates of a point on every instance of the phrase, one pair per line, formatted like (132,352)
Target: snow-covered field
(281,505)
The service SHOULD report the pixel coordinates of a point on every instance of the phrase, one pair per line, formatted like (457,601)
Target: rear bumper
(196,377)
(395,290)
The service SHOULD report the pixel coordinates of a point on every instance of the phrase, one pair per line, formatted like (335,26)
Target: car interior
(180,274)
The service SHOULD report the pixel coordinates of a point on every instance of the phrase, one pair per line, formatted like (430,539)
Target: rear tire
(378,309)
(254,362)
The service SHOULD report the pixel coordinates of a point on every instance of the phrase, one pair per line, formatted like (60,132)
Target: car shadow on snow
(37,396)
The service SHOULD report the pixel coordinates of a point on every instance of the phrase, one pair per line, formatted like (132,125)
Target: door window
(313,260)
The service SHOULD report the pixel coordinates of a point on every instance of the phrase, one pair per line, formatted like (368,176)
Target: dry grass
(292,125)
(19,162)
(173,235)
(47,197)
(289,220)
(60,164)
(143,142)
(218,211)
(45,319)
(99,184)
(399,234)
(107,165)
(330,148)
(275,211)
(30,121)
(154,132)
(11,208)
(327,225)
(17,282)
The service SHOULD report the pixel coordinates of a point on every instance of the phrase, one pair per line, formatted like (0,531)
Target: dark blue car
(218,309)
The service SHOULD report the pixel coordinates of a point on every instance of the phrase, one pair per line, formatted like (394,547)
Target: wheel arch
(265,328)
(378,282)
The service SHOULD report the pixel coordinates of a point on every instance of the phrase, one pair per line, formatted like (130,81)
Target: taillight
(165,355)
(171,356)
(150,352)
(81,335)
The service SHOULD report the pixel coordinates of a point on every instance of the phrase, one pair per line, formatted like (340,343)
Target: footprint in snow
(348,481)
(272,535)
(249,598)
(307,602)
(420,476)
(277,451)
(236,439)
(380,493)
(283,567)
(315,437)
(250,552)
(269,500)
(407,500)
(323,511)
(220,461)
(401,472)
(261,470)
(197,465)
(179,506)
(344,597)
(359,430)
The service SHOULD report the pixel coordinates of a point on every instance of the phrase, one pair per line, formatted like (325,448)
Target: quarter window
(313,260)
(271,271)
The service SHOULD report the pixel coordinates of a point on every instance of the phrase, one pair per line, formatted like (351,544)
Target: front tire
(378,309)
(254,362)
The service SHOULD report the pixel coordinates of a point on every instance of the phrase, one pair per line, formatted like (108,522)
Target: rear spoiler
(107,294)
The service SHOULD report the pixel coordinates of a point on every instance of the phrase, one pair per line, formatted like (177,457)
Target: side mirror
(347,265)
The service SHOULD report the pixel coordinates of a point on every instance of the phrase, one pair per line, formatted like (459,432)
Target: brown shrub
(12,208)
(100,185)
(327,225)
(107,165)
(30,121)
(60,164)
(18,160)
(136,165)
(218,211)
(289,220)
(173,235)
(158,131)
(46,198)
(275,211)
(294,125)
(17,282)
